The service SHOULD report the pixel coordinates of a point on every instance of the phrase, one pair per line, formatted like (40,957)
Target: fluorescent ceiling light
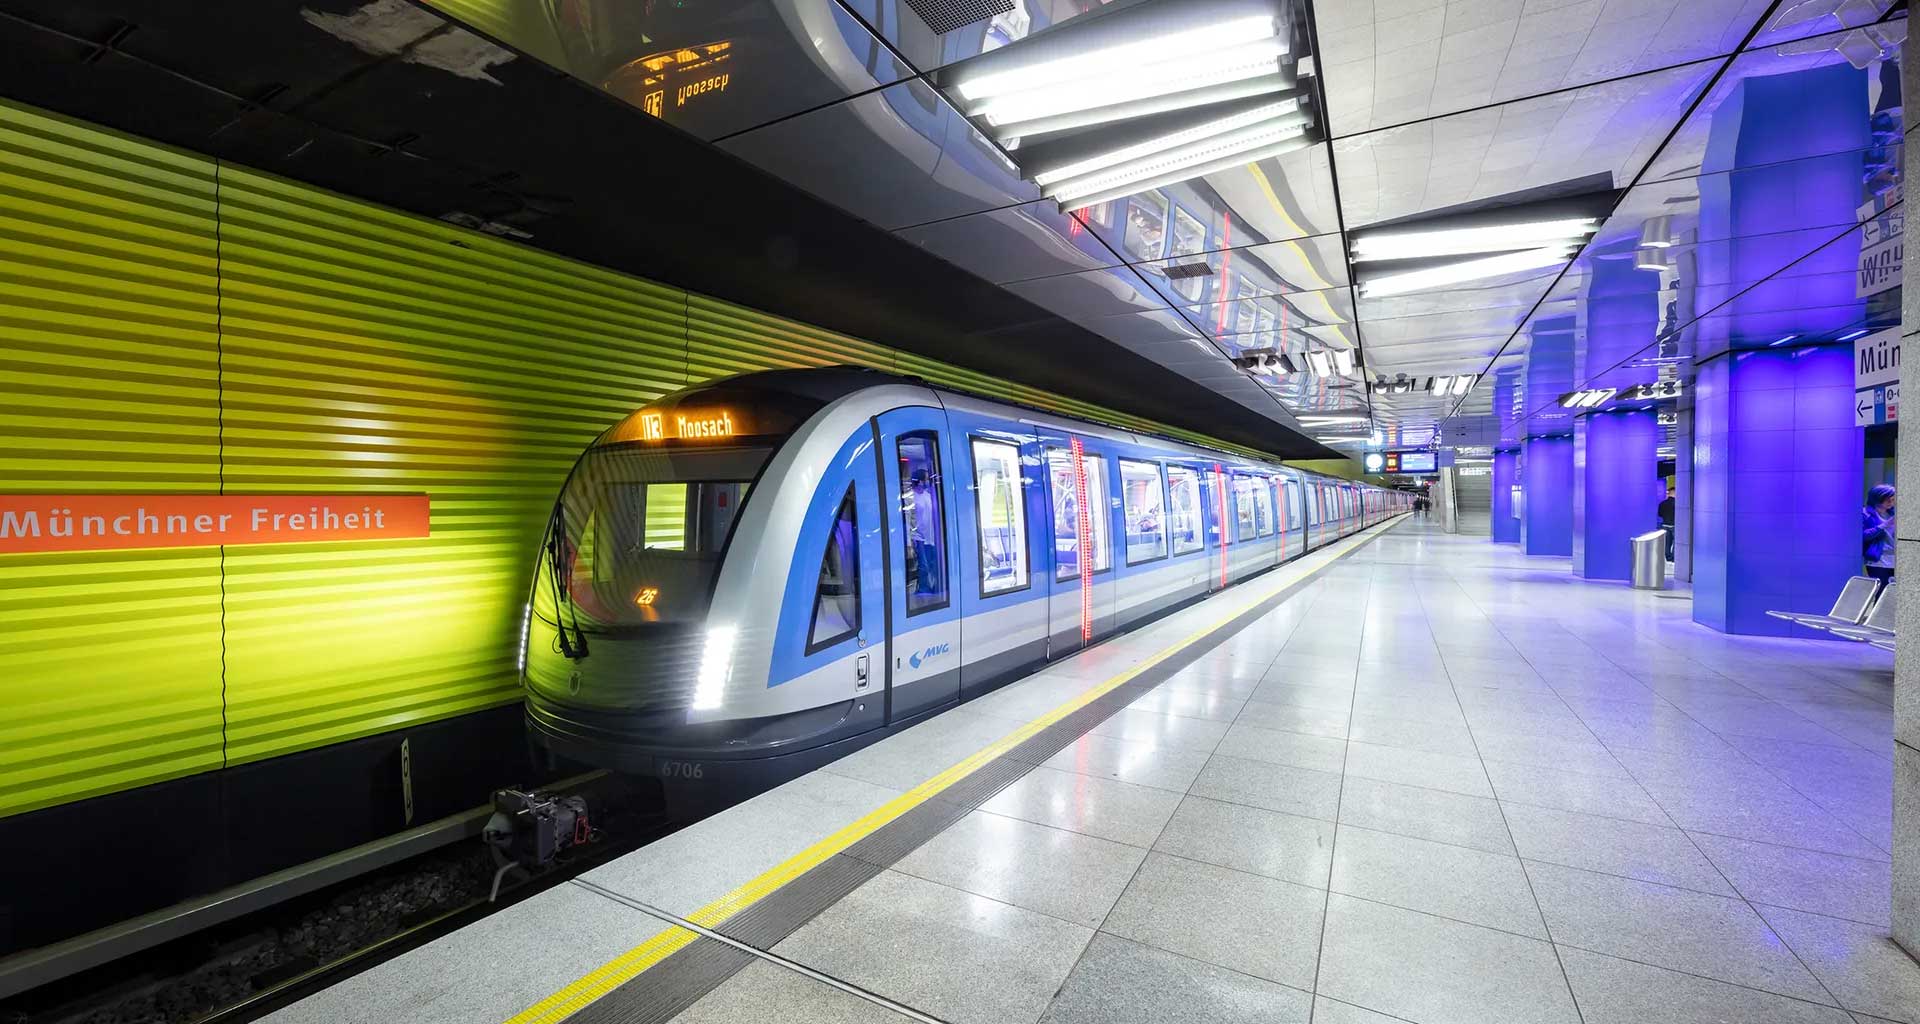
(1411,245)
(1343,361)
(1463,383)
(1850,335)
(1471,270)
(1158,172)
(1121,58)
(1586,399)
(1437,386)
(1256,61)
(1338,440)
(1174,140)
(1320,363)
(1211,95)
(1326,421)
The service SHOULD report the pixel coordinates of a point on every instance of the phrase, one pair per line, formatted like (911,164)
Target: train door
(1002,541)
(1079,607)
(1279,485)
(923,617)
(1218,497)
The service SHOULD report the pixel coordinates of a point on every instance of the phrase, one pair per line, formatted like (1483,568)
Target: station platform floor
(1413,777)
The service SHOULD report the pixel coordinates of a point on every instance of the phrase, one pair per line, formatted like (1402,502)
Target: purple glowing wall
(1617,491)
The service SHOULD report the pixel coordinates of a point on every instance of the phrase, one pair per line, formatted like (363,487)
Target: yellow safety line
(605,978)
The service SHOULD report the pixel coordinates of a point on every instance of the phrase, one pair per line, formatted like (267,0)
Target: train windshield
(638,534)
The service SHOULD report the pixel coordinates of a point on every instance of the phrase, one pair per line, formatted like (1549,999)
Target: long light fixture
(1173,140)
(1414,245)
(1471,270)
(1186,46)
(1205,148)
(1343,361)
(1203,158)
(1142,98)
(1320,363)
(1587,398)
(1202,74)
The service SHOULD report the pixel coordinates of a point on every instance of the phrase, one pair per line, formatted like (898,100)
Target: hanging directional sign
(1876,378)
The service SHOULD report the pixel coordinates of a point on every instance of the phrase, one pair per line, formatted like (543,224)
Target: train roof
(830,383)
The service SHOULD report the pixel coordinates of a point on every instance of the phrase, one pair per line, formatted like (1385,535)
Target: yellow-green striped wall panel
(109,662)
(367,350)
(170,324)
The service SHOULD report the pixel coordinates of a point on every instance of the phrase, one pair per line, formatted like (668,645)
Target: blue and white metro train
(753,577)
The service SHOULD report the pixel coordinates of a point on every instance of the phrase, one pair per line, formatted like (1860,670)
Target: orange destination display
(108,522)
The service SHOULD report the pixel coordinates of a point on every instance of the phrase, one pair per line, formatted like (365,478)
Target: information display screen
(1419,462)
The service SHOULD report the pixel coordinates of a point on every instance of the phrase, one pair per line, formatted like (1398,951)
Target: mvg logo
(929,654)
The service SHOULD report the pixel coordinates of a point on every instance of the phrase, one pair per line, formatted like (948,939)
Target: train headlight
(716,662)
(526,622)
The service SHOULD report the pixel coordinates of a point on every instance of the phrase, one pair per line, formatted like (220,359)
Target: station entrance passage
(1407,778)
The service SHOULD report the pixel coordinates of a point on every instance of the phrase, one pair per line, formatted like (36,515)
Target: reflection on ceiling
(1365,218)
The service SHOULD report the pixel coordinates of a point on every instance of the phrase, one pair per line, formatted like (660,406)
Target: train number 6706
(682,769)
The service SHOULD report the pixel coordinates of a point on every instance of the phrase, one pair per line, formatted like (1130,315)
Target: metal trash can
(1650,561)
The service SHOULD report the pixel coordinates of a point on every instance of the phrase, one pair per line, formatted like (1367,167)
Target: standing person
(1877,536)
(1666,517)
(926,531)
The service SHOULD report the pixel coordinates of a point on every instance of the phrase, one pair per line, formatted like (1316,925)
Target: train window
(637,534)
(1183,510)
(1003,517)
(1262,505)
(836,597)
(1066,512)
(1243,488)
(923,521)
(1143,499)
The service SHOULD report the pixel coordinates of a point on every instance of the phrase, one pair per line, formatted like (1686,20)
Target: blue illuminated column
(1506,525)
(1616,490)
(1777,460)
(1546,496)
(1777,466)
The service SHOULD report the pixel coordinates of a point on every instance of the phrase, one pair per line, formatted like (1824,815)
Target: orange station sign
(118,522)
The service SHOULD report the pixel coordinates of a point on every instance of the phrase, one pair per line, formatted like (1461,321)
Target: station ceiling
(1011,184)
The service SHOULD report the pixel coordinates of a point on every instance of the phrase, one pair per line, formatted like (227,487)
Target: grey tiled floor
(1445,784)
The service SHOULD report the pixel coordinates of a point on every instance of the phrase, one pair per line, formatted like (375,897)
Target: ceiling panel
(1393,63)
(1014,244)
(1586,139)
(711,69)
(1094,293)
(1277,268)
(897,157)
(1275,199)
(1009,22)
(1437,109)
